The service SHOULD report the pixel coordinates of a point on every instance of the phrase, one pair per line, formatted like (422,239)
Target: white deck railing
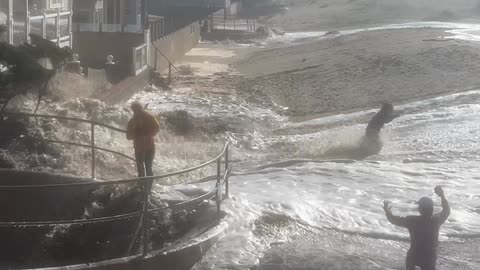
(102,27)
(56,27)
(140,58)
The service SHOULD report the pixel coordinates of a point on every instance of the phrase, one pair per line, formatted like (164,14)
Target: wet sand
(363,70)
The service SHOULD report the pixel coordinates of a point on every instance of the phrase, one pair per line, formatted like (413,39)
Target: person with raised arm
(423,229)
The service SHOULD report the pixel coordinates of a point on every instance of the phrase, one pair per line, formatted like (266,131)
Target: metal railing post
(146,194)
(226,171)
(219,192)
(92,142)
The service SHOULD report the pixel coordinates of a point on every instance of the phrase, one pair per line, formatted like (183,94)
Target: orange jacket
(142,129)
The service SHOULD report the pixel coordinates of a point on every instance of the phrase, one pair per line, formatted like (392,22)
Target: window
(56,3)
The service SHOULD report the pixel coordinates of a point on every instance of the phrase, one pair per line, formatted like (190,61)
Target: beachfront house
(138,33)
(111,27)
(50,19)
(179,13)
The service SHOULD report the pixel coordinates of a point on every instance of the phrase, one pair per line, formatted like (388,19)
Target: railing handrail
(146,181)
(65,118)
(70,222)
(112,182)
(49,15)
(125,181)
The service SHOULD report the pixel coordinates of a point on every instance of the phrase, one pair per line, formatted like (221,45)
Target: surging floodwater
(299,209)
(299,202)
(332,209)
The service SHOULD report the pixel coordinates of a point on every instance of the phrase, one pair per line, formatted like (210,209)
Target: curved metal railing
(216,192)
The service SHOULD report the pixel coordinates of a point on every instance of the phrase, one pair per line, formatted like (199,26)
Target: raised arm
(395,220)
(445,207)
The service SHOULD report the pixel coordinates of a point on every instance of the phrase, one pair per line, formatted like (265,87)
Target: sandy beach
(362,70)
(304,15)
(343,73)
(338,74)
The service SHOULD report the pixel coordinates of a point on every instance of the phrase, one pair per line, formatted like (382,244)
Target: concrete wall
(174,46)
(93,49)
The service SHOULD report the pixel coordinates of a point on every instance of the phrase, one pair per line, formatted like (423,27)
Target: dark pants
(145,162)
(425,262)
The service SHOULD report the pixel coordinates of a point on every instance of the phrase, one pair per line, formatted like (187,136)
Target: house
(111,27)
(179,13)
(108,12)
(50,19)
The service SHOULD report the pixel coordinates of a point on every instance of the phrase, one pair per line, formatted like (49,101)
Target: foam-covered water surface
(459,31)
(431,142)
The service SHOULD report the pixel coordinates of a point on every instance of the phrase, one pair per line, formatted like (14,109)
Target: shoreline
(272,72)
(360,71)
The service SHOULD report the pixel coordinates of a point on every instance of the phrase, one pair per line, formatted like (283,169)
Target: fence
(140,58)
(157,29)
(108,28)
(144,215)
(169,48)
(232,22)
(56,27)
(97,77)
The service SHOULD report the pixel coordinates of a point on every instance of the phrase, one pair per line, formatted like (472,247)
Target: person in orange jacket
(142,129)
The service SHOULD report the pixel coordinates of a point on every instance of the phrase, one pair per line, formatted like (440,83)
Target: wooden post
(57,28)
(134,62)
(10,22)
(27,23)
(70,32)
(92,143)
(44,25)
(122,13)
